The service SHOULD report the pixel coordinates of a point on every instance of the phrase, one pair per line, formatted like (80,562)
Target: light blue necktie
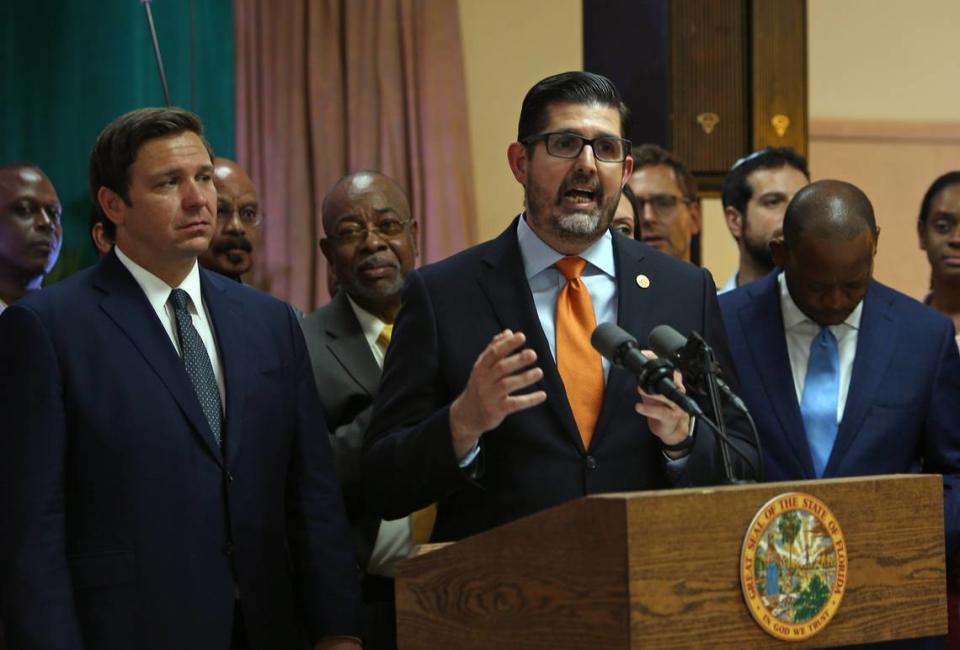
(821,392)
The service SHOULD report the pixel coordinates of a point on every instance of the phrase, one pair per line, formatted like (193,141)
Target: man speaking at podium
(493,402)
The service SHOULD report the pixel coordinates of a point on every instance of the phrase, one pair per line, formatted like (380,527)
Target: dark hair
(632,198)
(737,191)
(117,145)
(946,180)
(568,88)
(651,154)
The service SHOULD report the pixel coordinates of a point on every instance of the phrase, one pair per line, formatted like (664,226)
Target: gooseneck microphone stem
(156,51)
(713,392)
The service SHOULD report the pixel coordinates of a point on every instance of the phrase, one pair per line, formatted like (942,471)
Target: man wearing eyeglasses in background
(237,233)
(370,246)
(755,195)
(30,230)
(493,402)
(667,199)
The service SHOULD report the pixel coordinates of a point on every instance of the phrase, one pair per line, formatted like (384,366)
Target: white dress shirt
(800,331)
(393,537)
(158,295)
(3,306)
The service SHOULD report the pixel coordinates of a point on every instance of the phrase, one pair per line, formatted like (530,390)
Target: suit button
(229,477)
(591,462)
(228,549)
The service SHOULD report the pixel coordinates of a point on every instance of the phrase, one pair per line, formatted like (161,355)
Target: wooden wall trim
(853,130)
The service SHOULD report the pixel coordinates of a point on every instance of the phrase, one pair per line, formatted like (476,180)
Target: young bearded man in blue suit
(843,375)
(492,402)
(166,479)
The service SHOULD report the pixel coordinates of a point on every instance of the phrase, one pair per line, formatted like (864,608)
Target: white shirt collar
(793,316)
(158,291)
(369,324)
(537,255)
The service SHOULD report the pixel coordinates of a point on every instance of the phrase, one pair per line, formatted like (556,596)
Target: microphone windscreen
(608,338)
(666,341)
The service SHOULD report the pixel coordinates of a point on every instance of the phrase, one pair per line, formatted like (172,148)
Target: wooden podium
(661,570)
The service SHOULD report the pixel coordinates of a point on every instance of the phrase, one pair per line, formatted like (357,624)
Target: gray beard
(578,225)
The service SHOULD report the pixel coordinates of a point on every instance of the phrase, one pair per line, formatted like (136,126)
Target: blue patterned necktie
(821,392)
(197,363)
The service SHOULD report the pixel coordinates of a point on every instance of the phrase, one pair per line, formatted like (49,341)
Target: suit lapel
(761,321)
(878,327)
(349,346)
(503,279)
(230,329)
(127,306)
(634,312)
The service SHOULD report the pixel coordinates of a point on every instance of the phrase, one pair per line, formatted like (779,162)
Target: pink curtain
(326,87)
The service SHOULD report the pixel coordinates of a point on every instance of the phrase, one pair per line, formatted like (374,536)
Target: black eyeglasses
(569,145)
(249,215)
(664,205)
(354,232)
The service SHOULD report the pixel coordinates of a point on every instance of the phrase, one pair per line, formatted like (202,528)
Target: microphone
(687,355)
(655,376)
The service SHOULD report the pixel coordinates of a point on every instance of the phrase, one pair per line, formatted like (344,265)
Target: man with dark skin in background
(370,246)
(237,233)
(30,230)
(845,376)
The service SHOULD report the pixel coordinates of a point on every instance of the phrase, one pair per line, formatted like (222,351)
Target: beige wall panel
(718,250)
(893,163)
(509,45)
(883,59)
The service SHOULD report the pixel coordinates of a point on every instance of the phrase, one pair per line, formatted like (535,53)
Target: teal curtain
(70,67)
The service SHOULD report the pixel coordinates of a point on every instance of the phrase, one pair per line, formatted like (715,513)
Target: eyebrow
(176,171)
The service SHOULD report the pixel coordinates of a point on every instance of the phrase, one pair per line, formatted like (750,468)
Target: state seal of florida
(793,566)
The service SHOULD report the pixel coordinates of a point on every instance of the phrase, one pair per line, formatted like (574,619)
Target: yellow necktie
(579,364)
(383,340)
(421,521)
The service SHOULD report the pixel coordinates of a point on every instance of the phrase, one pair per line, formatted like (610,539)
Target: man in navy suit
(166,478)
(474,411)
(893,379)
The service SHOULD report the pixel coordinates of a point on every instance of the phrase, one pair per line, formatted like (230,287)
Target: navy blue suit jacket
(535,459)
(122,524)
(902,413)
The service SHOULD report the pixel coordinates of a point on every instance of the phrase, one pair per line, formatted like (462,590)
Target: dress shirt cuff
(471,456)
(677,464)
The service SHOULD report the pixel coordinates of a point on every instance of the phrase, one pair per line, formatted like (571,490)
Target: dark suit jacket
(348,375)
(535,459)
(122,524)
(903,408)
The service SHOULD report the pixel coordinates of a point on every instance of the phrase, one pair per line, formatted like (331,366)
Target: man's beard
(576,226)
(759,251)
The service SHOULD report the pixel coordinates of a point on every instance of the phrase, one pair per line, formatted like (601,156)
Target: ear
(112,204)
(734,222)
(779,252)
(876,240)
(519,162)
(696,217)
(627,170)
(326,247)
(415,237)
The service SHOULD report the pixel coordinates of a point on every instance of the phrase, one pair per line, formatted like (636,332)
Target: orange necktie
(579,364)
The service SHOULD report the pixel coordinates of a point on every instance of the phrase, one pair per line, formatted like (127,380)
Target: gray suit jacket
(347,376)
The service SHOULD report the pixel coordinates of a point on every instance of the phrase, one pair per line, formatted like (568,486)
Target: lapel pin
(643,281)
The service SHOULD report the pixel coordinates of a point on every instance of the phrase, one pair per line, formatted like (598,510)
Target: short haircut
(117,145)
(650,154)
(944,181)
(737,191)
(828,209)
(568,88)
